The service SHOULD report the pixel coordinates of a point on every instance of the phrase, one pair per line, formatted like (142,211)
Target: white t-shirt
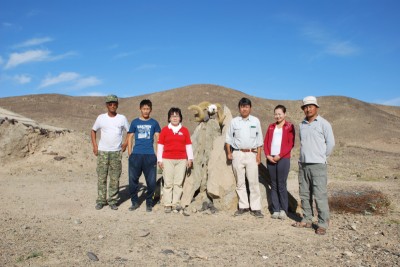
(276,142)
(111,131)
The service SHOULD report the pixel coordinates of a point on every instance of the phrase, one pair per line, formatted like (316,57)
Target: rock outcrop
(211,182)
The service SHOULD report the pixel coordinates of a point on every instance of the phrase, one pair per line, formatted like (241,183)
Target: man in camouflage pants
(109,152)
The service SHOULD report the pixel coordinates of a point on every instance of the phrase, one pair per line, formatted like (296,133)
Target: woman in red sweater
(174,155)
(279,141)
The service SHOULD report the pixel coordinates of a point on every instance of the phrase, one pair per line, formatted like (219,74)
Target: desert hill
(355,123)
(48,178)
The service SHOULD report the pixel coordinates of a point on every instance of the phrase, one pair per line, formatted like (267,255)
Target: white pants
(245,164)
(173,174)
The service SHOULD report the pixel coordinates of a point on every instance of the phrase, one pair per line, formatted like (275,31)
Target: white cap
(309,100)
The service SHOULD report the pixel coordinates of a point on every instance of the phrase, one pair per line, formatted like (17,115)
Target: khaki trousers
(313,180)
(244,165)
(173,174)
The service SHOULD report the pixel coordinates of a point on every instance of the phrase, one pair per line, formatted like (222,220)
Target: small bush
(33,254)
(359,200)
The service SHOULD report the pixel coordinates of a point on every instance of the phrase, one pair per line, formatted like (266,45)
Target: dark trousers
(279,173)
(146,164)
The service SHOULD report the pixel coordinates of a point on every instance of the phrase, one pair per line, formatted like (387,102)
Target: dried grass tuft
(365,201)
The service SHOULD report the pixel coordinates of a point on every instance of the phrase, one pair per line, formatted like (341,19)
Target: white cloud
(33,56)
(392,102)
(73,79)
(331,45)
(61,78)
(26,57)
(33,13)
(22,78)
(146,67)
(112,47)
(86,82)
(34,41)
(6,24)
(344,48)
(125,54)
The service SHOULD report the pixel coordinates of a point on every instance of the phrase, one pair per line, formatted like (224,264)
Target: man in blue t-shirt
(142,158)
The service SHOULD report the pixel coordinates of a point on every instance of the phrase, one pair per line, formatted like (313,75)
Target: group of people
(174,154)
(244,145)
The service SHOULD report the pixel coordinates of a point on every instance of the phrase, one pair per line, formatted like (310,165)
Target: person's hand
(161,165)
(189,164)
(277,158)
(230,157)
(258,159)
(124,146)
(271,159)
(95,151)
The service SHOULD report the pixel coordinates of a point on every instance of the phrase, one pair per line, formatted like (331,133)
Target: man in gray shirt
(316,144)
(244,141)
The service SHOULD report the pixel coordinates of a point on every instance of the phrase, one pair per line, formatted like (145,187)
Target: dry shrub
(365,201)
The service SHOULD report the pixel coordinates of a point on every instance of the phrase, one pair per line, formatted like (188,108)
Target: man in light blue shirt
(244,141)
(316,144)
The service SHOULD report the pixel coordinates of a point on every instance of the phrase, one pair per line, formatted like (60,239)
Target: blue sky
(280,50)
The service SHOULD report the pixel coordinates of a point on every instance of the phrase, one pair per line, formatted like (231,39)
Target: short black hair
(174,110)
(281,107)
(244,102)
(146,102)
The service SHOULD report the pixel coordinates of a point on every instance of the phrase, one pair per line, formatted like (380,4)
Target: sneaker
(282,215)
(177,208)
(186,212)
(240,212)
(257,214)
(167,209)
(134,206)
(149,208)
(99,206)
(113,207)
(275,215)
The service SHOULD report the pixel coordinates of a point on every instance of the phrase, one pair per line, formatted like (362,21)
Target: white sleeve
(126,124)
(160,150)
(189,152)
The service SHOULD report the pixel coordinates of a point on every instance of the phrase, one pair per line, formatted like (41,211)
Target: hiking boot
(167,209)
(240,212)
(257,214)
(282,215)
(134,206)
(275,215)
(149,208)
(99,206)
(113,207)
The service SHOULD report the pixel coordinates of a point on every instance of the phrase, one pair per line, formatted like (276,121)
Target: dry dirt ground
(48,191)
(48,216)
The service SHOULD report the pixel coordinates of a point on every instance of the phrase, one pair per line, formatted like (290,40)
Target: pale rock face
(212,173)
(221,184)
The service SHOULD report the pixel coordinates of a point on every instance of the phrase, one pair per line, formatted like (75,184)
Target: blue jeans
(279,173)
(146,164)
